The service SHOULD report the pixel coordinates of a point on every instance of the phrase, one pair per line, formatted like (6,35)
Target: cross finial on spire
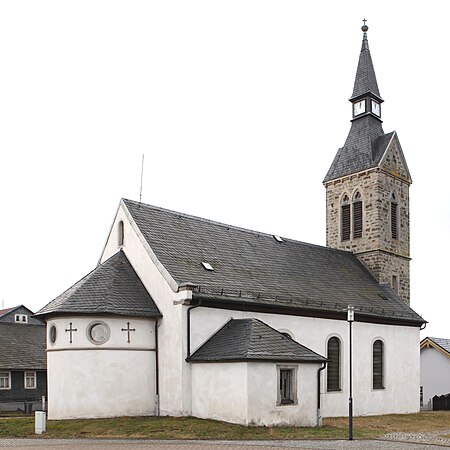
(364,27)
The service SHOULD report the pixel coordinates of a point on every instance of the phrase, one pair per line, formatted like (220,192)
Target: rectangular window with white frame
(21,318)
(287,385)
(30,380)
(5,380)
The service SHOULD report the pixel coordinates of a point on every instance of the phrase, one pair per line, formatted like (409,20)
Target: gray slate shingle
(22,347)
(251,267)
(444,343)
(366,142)
(252,340)
(365,80)
(111,288)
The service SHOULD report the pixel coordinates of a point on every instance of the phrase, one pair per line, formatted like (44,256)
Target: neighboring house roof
(442,345)
(252,340)
(22,347)
(112,288)
(9,315)
(252,268)
(7,310)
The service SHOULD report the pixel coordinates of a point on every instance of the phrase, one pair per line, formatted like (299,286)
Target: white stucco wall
(175,382)
(220,391)
(401,358)
(116,378)
(262,381)
(246,393)
(434,373)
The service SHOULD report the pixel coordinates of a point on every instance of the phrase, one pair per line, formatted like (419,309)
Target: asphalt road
(89,444)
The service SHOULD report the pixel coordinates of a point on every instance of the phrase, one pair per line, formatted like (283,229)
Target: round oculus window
(98,332)
(52,334)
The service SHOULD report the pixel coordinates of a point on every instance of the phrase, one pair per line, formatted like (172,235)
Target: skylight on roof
(208,266)
(278,238)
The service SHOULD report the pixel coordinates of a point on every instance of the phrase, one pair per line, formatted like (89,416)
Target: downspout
(189,327)
(319,417)
(424,325)
(156,369)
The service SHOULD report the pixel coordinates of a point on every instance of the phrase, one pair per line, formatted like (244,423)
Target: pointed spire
(365,80)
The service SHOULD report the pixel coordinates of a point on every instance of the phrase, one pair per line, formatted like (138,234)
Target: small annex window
(334,364)
(357,215)
(345,218)
(394,216)
(30,381)
(120,234)
(21,318)
(5,380)
(377,368)
(287,385)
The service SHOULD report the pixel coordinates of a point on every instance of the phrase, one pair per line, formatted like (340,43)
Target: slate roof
(366,142)
(252,268)
(112,288)
(364,148)
(22,347)
(7,310)
(252,340)
(365,79)
(443,343)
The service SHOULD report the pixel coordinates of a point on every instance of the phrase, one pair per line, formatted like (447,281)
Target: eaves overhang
(316,311)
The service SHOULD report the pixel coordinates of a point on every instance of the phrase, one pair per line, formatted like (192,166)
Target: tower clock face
(376,108)
(359,107)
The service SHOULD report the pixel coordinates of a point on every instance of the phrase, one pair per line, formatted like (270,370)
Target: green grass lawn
(192,428)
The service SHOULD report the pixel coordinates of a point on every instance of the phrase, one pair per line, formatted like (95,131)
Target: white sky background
(239,107)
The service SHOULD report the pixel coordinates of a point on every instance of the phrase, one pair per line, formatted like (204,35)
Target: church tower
(367,187)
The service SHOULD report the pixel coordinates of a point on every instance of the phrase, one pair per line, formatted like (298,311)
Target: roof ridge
(233,227)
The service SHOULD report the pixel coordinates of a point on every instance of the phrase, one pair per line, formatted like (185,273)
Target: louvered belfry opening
(345,222)
(394,220)
(333,366)
(357,219)
(378,382)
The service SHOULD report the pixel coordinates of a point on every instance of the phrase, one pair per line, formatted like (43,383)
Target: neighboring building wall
(116,378)
(18,391)
(401,358)
(434,373)
(383,255)
(11,317)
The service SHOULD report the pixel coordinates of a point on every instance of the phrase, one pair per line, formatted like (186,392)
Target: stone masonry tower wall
(387,258)
(367,188)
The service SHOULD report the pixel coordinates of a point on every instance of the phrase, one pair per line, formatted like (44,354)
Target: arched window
(120,234)
(377,370)
(286,334)
(357,215)
(345,218)
(334,364)
(394,216)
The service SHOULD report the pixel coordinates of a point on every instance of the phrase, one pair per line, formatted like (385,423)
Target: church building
(187,316)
